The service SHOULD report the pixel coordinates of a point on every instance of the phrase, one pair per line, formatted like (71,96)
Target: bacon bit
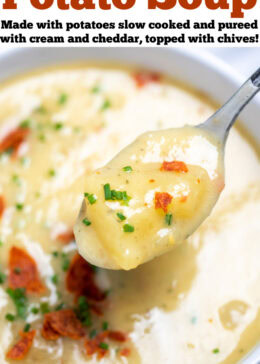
(117,336)
(62,323)
(162,200)
(28,276)
(151,180)
(66,237)
(144,78)
(174,166)
(92,345)
(183,198)
(80,280)
(2,206)
(21,348)
(13,140)
(125,352)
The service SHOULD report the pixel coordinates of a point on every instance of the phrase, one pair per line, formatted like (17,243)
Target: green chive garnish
(2,278)
(215,351)
(19,206)
(63,98)
(55,254)
(105,325)
(104,346)
(42,137)
(96,89)
(16,179)
(86,222)
(91,198)
(9,317)
(59,307)
(44,307)
(127,169)
(51,173)
(35,310)
(27,328)
(121,216)
(106,105)
(107,191)
(20,301)
(55,279)
(58,126)
(128,228)
(25,124)
(92,333)
(168,219)
(65,262)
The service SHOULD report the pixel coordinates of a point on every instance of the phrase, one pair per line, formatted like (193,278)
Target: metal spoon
(220,123)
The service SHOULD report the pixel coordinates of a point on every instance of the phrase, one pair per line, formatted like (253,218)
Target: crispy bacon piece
(13,140)
(80,280)
(174,166)
(24,272)
(21,348)
(143,78)
(66,237)
(117,336)
(93,345)
(62,323)
(162,200)
(2,205)
(125,352)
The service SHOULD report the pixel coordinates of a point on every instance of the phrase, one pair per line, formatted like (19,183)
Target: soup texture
(198,303)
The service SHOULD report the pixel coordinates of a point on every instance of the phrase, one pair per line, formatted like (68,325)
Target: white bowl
(196,68)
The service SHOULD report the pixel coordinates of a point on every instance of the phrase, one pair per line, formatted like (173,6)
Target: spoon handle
(221,122)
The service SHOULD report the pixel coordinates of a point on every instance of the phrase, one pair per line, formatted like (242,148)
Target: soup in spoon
(150,197)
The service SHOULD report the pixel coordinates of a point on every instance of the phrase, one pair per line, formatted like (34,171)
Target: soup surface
(196,304)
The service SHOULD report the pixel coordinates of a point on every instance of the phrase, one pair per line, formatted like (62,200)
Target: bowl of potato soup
(66,112)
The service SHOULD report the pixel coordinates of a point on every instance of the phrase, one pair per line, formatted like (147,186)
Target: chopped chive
(87,321)
(2,277)
(52,173)
(27,328)
(1,243)
(17,270)
(59,307)
(107,191)
(126,198)
(128,228)
(55,279)
(20,301)
(92,333)
(25,124)
(42,137)
(86,222)
(215,351)
(62,98)
(168,219)
(105,325)
(35,310)
(16,179)
(91,198)
(121,216)
(127,169)
(65,262)
(44,307)
(107,292)
(9,317)
(104,346)
(94,268)
(106,105)
(41,109)
(19,206)
(58,126)
(96,89)
(55,254)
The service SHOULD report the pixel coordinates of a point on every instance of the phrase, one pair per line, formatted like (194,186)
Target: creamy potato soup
(198,303)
